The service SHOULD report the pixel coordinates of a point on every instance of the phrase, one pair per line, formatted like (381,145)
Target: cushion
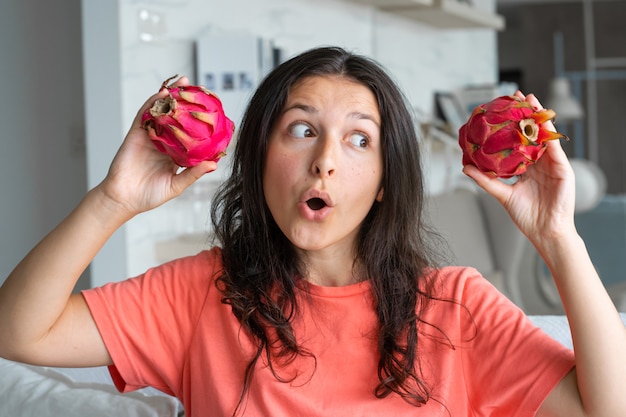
(457,216)
(557,327)
(45,392)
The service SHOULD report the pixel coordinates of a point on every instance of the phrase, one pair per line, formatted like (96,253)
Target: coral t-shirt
(169,329)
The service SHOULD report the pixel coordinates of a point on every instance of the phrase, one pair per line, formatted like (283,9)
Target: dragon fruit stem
(166,83)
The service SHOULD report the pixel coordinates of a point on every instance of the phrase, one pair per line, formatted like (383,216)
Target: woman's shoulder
(462,302)
(178,276)
(199,270)
(451,279)
(462,284)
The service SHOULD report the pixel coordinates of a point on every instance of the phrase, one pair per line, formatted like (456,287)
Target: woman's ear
(379,196)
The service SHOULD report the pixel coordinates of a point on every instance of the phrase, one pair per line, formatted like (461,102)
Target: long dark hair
(261,265)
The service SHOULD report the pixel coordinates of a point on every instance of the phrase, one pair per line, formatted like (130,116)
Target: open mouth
(316,203)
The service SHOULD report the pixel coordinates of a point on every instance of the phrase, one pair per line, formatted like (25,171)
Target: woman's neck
(332,268)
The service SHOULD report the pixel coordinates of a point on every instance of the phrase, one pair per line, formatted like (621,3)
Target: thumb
(190,175)
(492,185)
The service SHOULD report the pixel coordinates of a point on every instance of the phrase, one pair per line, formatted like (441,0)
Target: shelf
(395,3)
(445,14)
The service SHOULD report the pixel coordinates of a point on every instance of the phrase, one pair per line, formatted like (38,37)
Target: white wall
(42,160)
(423,59)
(103,113)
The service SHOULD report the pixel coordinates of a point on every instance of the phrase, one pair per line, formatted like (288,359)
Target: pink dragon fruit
(189,125)
(503,137)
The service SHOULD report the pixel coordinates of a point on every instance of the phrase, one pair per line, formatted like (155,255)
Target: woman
(323,298)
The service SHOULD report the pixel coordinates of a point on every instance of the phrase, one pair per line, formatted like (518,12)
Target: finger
(190,175)
(556,152)
(534,101)
(181,82)
(490,184)
(202,168)
(530,98)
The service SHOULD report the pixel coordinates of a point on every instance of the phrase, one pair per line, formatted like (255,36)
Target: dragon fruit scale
(189,125)
(504,136)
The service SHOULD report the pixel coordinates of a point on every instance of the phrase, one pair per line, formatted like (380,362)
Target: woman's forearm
(37,292)
(598,335)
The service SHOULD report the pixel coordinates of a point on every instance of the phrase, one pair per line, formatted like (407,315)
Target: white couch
(31,391)
(481,234)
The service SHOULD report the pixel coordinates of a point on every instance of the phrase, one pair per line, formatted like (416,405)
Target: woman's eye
(301,130)
(360,140)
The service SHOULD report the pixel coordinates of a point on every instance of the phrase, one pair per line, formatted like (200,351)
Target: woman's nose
(325,159)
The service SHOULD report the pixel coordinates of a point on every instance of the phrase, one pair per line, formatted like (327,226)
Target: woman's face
(324,163)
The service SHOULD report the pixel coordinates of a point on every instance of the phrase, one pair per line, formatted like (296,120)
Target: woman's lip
(313,215)
(324,196)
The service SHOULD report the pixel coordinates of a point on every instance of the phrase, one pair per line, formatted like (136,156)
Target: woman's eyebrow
(365,116)
(304,107)
(353,115)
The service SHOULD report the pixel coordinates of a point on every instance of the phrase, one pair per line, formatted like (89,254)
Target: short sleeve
(510,364)
(147,322)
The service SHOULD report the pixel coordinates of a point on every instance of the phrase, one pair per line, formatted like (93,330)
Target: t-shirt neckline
(330,291)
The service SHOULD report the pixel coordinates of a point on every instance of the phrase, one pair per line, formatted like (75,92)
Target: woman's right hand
(41,321)
(140,177)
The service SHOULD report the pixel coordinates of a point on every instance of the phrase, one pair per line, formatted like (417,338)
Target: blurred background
(75,72)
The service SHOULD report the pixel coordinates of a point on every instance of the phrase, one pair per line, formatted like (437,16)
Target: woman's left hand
(541,201)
